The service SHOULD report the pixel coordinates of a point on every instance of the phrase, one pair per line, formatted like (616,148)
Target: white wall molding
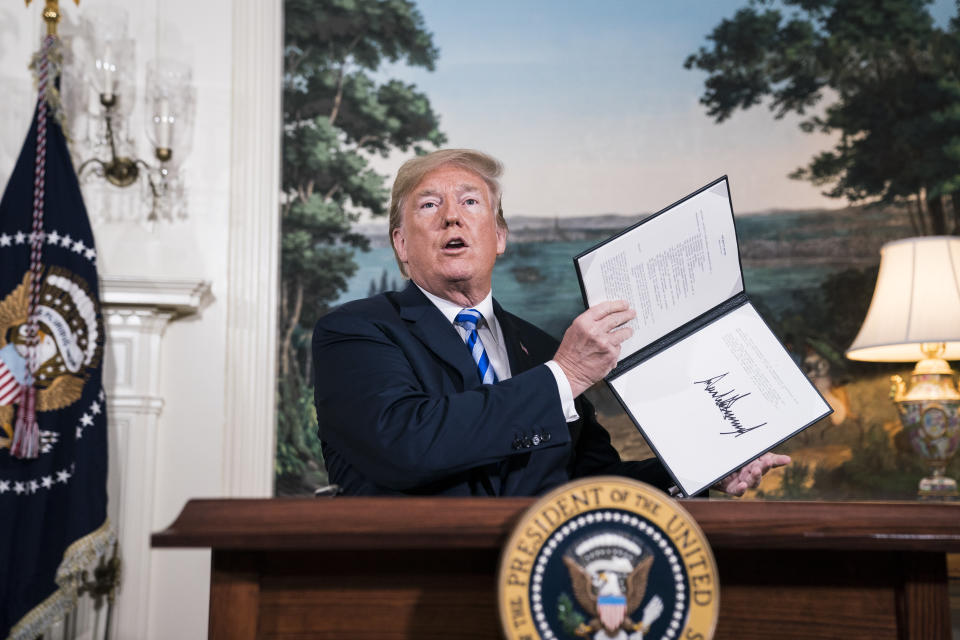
(139,405)
(136,313)
(177,295)
(253,251)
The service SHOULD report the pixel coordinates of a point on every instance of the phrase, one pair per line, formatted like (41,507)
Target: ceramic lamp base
(938,486)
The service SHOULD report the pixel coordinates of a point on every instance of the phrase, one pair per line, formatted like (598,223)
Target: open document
(703,378)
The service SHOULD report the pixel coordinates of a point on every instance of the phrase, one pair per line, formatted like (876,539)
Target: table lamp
(914,316)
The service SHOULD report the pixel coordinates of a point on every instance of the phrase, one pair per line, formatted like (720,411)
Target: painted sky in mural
(590,108)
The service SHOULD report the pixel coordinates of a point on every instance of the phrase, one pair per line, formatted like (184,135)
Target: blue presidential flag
(53,426)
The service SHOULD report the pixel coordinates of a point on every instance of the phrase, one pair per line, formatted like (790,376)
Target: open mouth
(455,243)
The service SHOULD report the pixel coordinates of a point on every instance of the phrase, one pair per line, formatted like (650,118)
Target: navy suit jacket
(401,409)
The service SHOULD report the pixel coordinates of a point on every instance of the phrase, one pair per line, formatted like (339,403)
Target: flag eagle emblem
(69,344)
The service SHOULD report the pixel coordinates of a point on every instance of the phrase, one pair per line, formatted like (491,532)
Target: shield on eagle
(609,574)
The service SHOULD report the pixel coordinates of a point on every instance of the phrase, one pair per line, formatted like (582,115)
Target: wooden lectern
(426,568)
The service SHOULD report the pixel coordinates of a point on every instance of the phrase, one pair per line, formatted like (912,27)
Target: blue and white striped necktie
(469,319)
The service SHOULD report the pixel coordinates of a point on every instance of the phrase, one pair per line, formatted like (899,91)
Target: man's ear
(501,240)
(399,245)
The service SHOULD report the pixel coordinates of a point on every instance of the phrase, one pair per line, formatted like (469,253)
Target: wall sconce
(168,118)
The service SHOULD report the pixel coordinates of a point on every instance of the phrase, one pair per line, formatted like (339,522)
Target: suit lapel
(436,333)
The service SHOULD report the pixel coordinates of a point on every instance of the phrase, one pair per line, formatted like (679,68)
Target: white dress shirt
(492,337)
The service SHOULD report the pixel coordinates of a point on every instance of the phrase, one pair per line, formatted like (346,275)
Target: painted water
(784,253)
(537,281)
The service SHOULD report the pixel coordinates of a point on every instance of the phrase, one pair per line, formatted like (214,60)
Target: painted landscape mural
(607,115)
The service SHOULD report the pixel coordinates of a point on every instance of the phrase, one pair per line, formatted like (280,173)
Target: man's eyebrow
(463,188)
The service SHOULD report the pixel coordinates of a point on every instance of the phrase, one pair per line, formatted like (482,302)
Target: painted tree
(889,80)
(338,112)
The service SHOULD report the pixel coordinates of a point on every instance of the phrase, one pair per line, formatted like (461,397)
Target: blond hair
(415,169)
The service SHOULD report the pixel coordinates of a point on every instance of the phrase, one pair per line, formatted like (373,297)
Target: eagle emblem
(609,574)
(69,344)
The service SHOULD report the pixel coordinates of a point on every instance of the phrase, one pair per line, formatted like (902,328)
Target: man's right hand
(591,345)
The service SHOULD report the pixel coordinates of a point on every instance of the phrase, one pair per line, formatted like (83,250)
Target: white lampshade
(917,300)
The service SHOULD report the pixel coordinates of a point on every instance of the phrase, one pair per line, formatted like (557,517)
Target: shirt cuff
(566,394)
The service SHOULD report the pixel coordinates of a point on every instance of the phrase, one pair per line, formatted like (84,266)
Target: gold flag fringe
(83,554)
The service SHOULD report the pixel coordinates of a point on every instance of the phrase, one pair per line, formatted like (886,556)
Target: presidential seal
(607,558)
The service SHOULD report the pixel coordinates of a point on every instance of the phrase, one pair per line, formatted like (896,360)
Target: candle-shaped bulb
(163,120)
(108,71)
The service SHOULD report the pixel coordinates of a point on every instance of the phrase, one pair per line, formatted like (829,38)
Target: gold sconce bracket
(121,172)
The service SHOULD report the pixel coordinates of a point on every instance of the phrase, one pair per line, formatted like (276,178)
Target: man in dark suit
(437,390)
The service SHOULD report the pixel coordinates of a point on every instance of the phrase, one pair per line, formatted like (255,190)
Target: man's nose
(449,215)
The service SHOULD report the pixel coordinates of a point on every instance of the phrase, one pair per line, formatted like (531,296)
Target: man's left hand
(749,475)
